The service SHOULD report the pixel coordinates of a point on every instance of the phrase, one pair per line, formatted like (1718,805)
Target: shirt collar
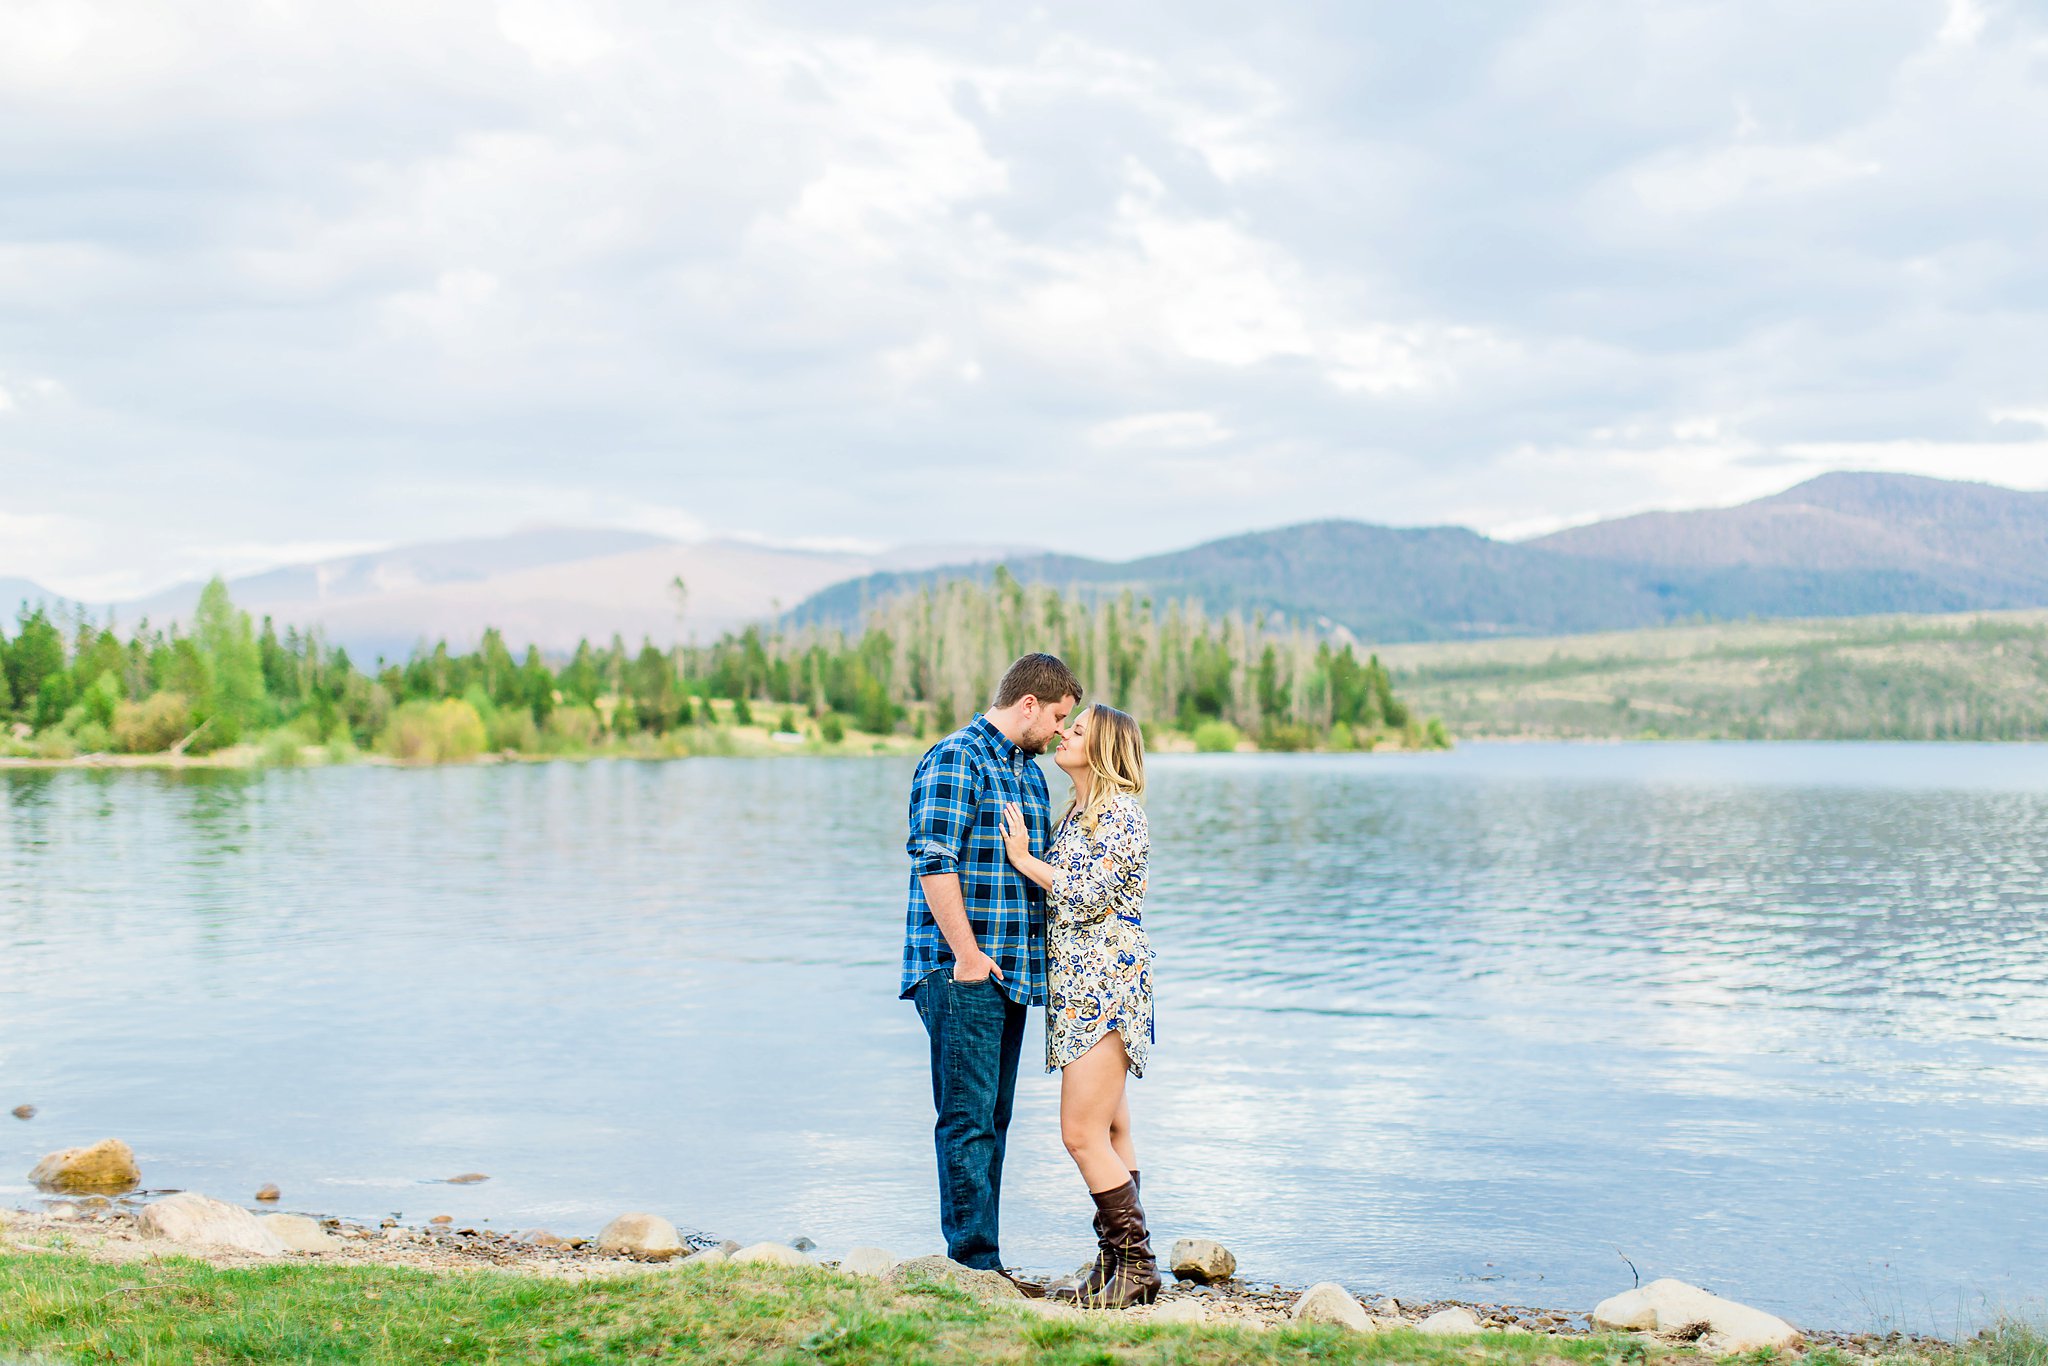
(1005,748)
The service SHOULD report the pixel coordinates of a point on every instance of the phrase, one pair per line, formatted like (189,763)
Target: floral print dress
(1098,963)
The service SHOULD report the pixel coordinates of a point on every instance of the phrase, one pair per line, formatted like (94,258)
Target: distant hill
(1380,583)
(408,569)
(550,587)
(14,592)
(1839,545)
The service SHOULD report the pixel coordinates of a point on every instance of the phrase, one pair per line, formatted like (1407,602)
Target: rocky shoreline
(118,1222)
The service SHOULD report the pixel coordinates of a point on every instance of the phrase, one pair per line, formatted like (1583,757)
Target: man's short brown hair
(1045,677)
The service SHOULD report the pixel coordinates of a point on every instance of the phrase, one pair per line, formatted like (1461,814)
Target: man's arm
(942,894)
(943,799)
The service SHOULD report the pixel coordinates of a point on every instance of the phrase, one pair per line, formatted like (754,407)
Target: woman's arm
(1017,845)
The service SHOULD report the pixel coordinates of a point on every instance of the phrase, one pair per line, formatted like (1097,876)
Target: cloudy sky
(283,278)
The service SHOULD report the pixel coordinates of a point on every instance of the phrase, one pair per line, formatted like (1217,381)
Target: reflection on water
(1771,1018)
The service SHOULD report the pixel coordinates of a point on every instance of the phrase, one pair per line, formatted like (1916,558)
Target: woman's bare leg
(1120,1134)
(1091,1095)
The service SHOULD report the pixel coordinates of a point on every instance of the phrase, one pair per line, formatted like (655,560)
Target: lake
(1493,1024)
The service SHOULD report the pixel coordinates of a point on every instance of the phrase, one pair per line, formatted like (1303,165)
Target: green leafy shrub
(512,728)
(572,727)
(1287,738)
(1217,737)
(54,744)
(831,729)
(92,738)
(434,732)
(280,748)
(153,725)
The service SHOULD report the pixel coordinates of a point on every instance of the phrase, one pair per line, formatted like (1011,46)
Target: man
(974,939)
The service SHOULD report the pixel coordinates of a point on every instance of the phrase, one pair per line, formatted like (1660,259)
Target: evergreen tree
(36,654)
(233,696)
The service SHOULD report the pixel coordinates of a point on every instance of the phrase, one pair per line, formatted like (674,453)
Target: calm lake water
(1773,1019)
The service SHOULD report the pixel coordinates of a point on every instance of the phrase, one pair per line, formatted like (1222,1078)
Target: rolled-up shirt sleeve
(943,800)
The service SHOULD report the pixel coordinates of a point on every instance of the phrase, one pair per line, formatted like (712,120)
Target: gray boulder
(867,1261)
(1669,1306)
(648,1237)
(1328,1302)
(193,1220)
(298,1233)
(1450,1322)
(771,1254)
(982,1285)
(108,1165)
(1202,1260)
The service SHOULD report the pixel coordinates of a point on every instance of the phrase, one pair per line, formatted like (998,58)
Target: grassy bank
(288,749)
(451,737)
(68,1307)
(1973,676)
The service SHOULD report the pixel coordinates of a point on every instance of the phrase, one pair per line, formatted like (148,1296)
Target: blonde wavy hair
(1115,748)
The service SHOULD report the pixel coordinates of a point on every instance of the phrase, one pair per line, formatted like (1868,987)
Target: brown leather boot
(1088,1280)
(1134,1272)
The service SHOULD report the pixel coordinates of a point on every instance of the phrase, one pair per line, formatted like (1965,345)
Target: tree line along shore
(223,689)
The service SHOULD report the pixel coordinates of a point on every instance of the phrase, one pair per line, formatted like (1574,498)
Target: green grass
(66,1308)
(2009,1343)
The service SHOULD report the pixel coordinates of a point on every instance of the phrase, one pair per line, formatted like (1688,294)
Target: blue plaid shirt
(956,826)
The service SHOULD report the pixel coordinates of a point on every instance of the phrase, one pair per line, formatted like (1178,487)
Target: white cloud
(2021,464)
(1729,177)
(554,35)
(1160,429)
(379,271)
(1962,22)
(2032,417)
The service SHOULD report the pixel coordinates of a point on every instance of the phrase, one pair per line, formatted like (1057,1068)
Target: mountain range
(551,587)
(1838,545)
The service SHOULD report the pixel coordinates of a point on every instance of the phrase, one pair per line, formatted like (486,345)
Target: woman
(1098,1010)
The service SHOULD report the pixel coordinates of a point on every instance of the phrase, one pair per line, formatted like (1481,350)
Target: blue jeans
(977,1037)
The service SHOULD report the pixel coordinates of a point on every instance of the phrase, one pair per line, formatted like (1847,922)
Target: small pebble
(467,1179)
(802,1244)
(269,1192)
(442,1219)
(24,1112)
